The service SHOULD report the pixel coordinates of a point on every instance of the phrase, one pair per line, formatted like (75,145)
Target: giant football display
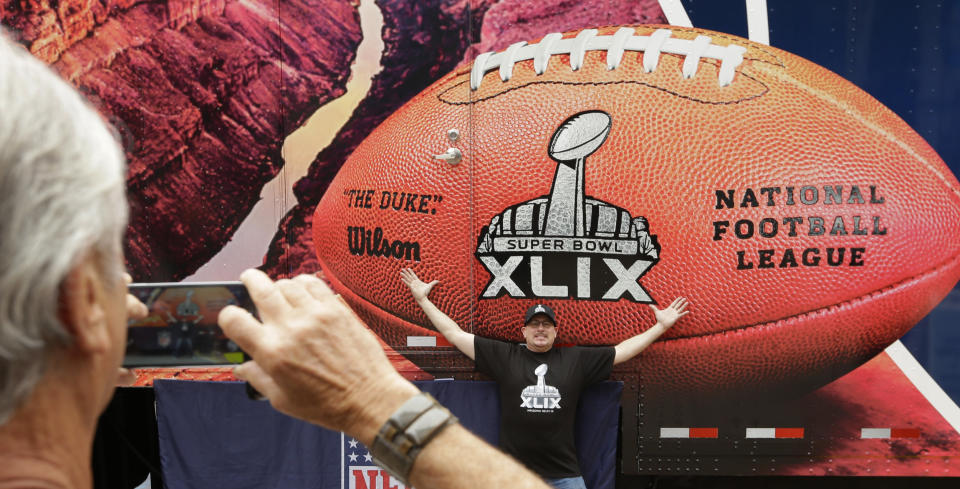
(602,170)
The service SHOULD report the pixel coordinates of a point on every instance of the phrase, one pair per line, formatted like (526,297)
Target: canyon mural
(204,92)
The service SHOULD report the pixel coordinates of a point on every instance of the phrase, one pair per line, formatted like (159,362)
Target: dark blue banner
(211,435)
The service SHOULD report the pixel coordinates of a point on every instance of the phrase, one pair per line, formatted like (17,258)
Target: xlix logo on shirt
(567,244)
(541,397)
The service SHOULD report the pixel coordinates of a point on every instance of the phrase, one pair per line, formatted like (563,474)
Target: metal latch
(451,156)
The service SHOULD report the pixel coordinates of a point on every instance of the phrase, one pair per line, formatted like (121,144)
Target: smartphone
(181,328)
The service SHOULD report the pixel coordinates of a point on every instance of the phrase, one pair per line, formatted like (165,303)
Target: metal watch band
(407,431)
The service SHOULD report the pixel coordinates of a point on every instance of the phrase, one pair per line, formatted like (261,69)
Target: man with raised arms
(547,381)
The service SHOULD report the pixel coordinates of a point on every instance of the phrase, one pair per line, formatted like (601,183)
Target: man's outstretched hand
(418,288)
(670,314)
(312,356)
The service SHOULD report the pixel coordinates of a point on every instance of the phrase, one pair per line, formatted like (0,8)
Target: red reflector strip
(427,341)
(704,433)
(789,433)
(904,433)
(882,433)
(688,432)
(770,433)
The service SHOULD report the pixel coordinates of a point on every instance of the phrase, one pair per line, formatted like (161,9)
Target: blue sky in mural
(907,55)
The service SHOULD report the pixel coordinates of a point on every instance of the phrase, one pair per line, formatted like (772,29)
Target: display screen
(181,326)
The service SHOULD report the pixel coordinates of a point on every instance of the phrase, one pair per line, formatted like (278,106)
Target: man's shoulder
(492,345)
(599,352)
(484,339)
(588,349)
(493,357)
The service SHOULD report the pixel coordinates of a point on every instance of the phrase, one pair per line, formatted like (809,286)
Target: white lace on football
(625,39)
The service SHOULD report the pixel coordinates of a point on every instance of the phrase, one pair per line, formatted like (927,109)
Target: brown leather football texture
(602,170)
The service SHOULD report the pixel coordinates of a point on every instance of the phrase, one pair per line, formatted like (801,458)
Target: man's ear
(82,307)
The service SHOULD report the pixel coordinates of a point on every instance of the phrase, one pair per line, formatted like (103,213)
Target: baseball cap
(540,309)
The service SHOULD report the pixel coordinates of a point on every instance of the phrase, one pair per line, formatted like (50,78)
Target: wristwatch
(407,431)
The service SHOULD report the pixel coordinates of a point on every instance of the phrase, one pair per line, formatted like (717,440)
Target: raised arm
(666,318)
(446,326)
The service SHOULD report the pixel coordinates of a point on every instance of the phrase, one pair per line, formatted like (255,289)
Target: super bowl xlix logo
(567,244)
(540,397)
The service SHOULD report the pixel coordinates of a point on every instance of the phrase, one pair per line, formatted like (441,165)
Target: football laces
(615,45)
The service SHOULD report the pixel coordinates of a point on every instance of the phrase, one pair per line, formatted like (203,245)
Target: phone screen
(181,326)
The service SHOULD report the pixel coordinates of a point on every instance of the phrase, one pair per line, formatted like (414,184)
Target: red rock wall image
(203,93)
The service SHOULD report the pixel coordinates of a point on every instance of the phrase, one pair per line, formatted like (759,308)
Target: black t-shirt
(538,399)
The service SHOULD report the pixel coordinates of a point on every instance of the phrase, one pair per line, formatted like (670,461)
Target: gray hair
(62,180)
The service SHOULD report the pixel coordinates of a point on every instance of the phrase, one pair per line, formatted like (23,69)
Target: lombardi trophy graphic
(540,396)
(566,243)
(576,139)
